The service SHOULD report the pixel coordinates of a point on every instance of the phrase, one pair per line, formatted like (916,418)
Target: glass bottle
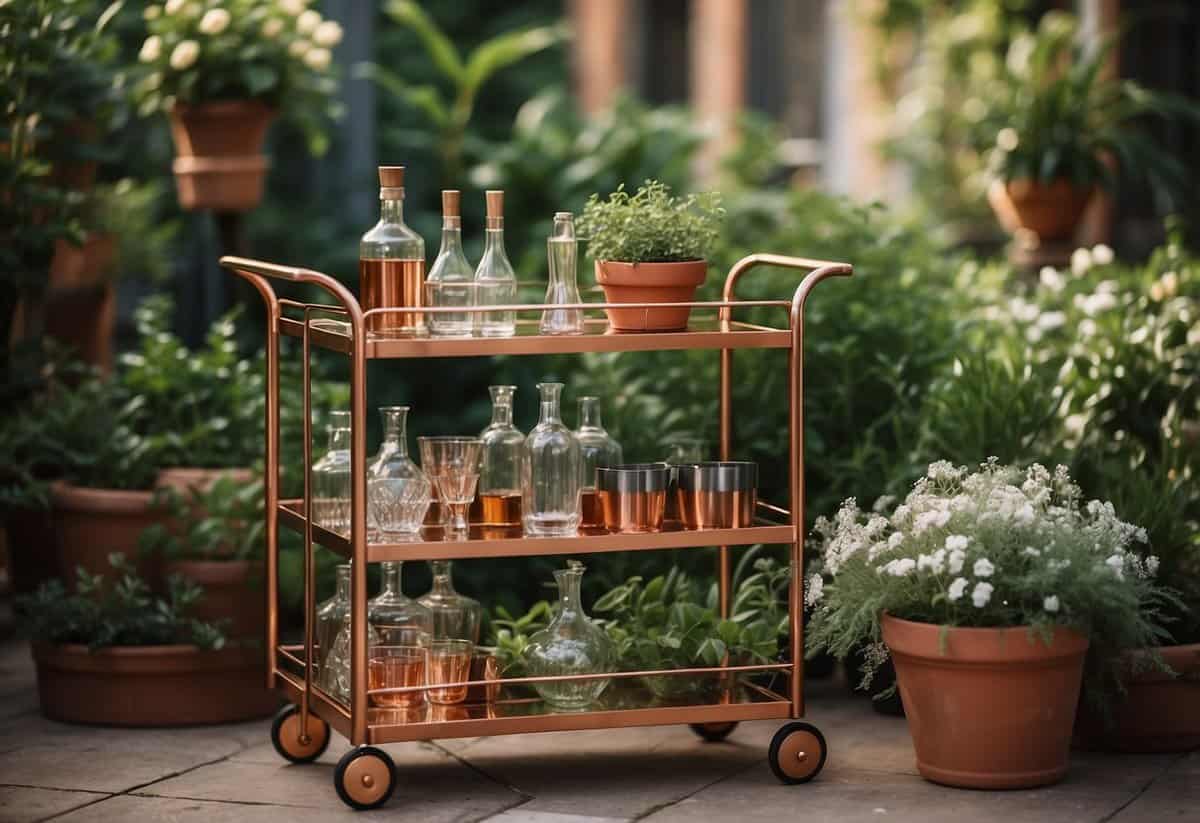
(331,477)
(571,644)
(455,616)
(328,618)
(398,493)
(392,614)
(495,281)
(550,472)
(451,280)
(562,252)
(335,673)
(391,262)
(597,449)
(499,501)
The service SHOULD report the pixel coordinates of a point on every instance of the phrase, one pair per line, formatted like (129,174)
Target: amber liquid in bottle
(497,509)
(387,283)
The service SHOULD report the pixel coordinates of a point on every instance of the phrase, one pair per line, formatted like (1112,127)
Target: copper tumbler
(717,495)
(633,497)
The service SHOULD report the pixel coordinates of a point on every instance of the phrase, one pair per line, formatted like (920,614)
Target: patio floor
(208,775)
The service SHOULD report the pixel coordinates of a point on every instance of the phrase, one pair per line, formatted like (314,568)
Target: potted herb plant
(650,247)
(988,589)
(1059,124)
(222,73)
(111,652)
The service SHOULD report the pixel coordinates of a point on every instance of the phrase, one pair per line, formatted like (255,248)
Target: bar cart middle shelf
(365,777)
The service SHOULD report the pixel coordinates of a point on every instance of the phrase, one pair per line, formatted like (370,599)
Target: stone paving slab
(53,771)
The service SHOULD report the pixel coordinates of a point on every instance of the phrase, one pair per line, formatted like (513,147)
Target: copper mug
(717,495)
(633,497)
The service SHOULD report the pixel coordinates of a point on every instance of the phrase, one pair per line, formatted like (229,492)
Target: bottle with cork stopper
(451,282)
(391,263)
(495,281)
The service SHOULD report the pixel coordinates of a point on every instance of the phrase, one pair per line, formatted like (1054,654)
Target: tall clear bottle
(550,472)
(328,618)
(335,673)
(398,493)
(562,252)
(451,282)
(455,616)
(391,262)
(495,281)
(331,477)
(598,449)
(399,620)
(499,498)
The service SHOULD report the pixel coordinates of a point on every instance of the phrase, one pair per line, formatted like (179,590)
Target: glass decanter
(495,281)
(455,616)
(562,253)
(550,472)
(597,449)
(331,477)
(328,619)
(451,281)
(335,674)
(391,262)
(392,614)
(499,500)
(398,493)
(571,644)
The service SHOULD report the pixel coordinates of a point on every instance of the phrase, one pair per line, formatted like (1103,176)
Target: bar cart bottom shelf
(365,777)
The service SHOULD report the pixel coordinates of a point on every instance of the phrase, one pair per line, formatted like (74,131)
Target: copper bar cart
(365,777)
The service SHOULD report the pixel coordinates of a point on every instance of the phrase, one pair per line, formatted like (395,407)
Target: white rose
(151,12)
(983,567)
(184,55)
(318,59)
(329,33)
(151,49)
(272,27)
(1051,603)
(173,6)
(957,556)
(1102,255)
(307,22)
(955,592)
(292,7)
(214,21)
(981,595)
(957,542)
(1051,279)
(1081,261)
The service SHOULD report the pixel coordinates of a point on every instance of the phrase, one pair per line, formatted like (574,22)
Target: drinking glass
(449,662)
(393,667)
(453,464)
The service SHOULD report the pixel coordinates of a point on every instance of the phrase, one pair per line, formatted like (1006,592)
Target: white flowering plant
(997,547)
(279,52)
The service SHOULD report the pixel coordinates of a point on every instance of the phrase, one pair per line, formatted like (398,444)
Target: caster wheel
(714,732)
(285,736)
(797,753)
(365,778)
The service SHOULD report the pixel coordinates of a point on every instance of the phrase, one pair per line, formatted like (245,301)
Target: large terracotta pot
(185,479)
(1052,211)
(1159,712)
(219,163)
(151,685)
(987,708)
(232,592)
(94,523)
(650,283)
(85,265)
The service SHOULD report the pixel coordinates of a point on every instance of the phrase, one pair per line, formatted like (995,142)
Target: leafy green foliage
(223,522)
(120,611)
(510,635)
(652,226)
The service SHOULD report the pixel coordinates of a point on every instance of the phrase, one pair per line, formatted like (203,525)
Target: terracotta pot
(219,162)
(232,591)
(650,283)
(987,708)
(184,479)
(1159,712)
(1052,211)
(94,523)
(75,266)
(151,685)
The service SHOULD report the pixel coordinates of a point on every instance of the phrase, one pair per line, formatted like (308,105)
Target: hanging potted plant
(988,589)
(111,652)
(1060,126)
(650,247)
(222,74)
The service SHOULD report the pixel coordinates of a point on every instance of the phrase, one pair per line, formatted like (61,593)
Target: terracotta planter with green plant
(112,653)
(650,247)
(1059,126)
(222,74)
(988,589)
